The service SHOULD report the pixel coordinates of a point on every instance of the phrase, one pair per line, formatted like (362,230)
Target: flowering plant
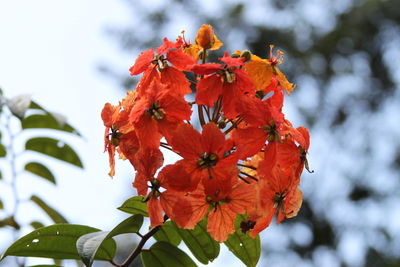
(240,158)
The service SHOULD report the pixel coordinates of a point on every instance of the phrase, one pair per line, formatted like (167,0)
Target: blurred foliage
(24,145)
(344,57)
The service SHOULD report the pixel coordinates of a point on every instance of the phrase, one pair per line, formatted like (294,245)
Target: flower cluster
(244,157)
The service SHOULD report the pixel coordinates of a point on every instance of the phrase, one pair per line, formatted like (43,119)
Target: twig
(217,109)
(113,263)
(250,176)
(139,247)
(201,115)
(234,125)
(207,109)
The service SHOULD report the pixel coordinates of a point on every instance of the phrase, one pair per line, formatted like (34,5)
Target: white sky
(50,49)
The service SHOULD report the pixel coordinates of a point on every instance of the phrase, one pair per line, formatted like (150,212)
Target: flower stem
(139,247)
(250,176)
(234,125)
(201,115)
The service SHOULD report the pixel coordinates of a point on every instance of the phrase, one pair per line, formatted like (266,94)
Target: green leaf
(200,242)
(163,254)
(46,121)
(3,151)
(1,205)
(57,242)
(243,246)
(129,225)
(135,205)
(35,105)
(89,244)
(40,170)
(168,232)
(53,214)
(36,224)
(54,148)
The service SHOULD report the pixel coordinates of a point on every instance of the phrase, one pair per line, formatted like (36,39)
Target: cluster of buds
(245,157)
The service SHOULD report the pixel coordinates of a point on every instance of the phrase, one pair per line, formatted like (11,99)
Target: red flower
(264,123)
(157,68)
(205,158)
(278,191)
(115,119)
(157,114)
(158,199)
(226,80)
(224,204)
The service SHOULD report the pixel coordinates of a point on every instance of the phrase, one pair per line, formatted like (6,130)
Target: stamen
(207,161)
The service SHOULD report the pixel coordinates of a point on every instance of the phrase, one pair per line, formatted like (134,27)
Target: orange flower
(264,123)
(226,80)
(159,198)
(157,68)
(224,205)
(278,191)
(206,38)
(157,113)
(205,158)
(115,119)
(262,71)
(222,217)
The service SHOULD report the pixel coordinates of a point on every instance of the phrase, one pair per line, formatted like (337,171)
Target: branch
(139,247)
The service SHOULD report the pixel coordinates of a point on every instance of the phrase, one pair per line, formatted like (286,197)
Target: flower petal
(142,62)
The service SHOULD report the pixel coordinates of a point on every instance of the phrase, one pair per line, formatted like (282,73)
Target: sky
(51,51)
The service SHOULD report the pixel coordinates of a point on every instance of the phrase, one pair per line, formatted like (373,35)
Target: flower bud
(205,36)
(18,105)
(206,39)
